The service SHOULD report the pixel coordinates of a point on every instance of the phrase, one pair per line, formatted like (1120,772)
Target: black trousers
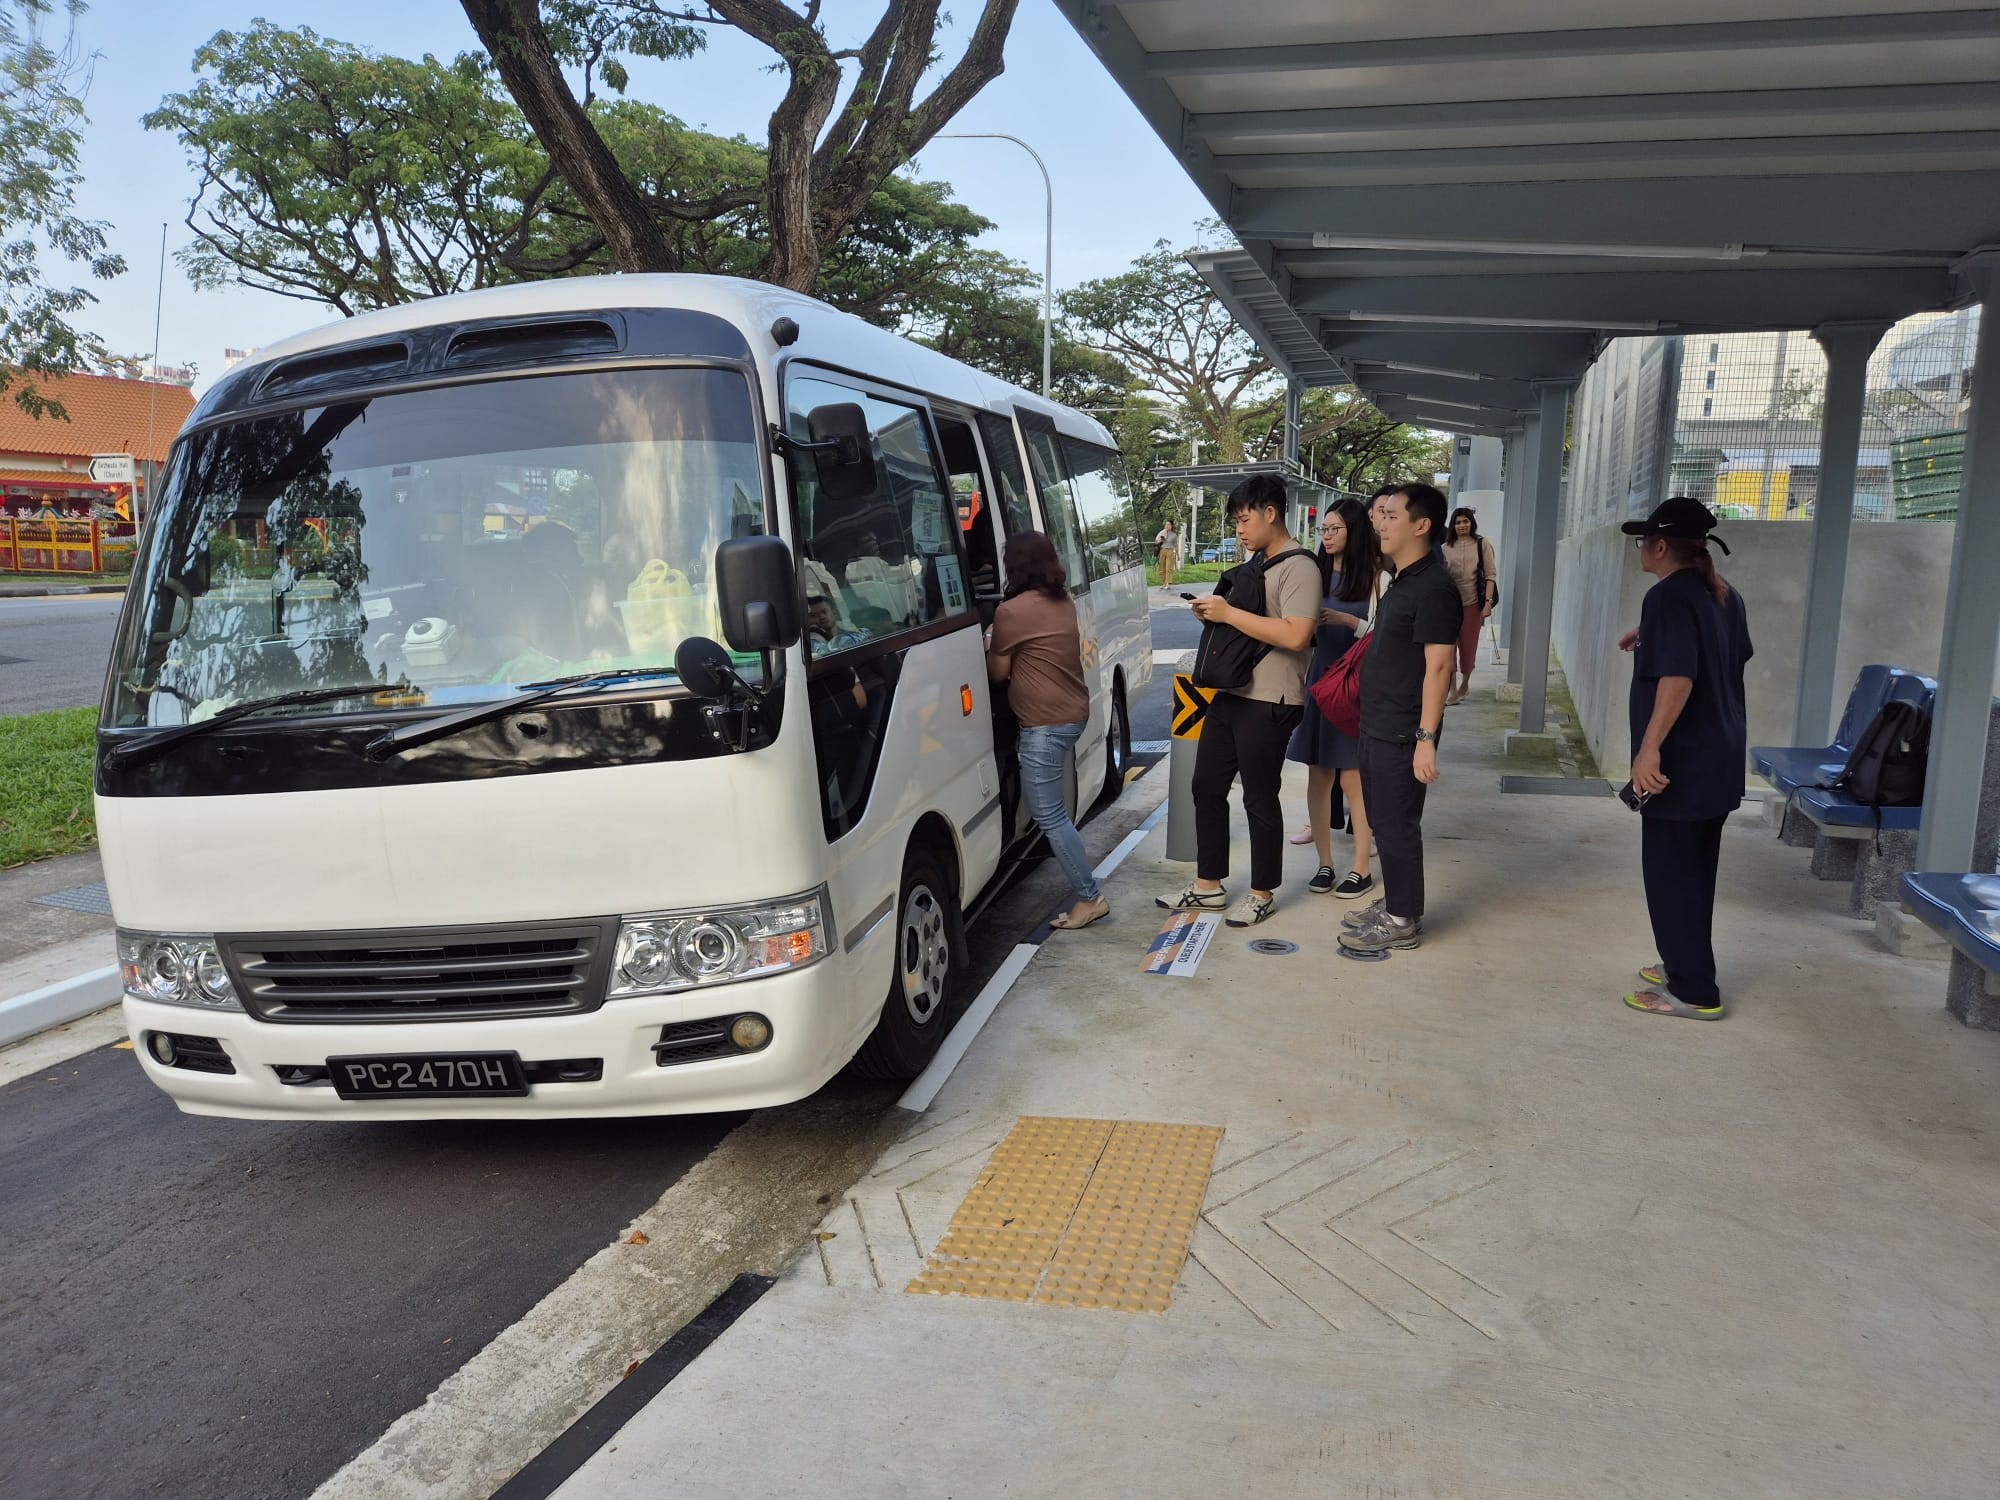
(1242,736)
(1680,861)
(1395,802)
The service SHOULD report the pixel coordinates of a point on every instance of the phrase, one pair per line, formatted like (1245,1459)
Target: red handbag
(1337,691)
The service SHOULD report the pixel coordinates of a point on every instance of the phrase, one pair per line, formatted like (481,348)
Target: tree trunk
(511,31)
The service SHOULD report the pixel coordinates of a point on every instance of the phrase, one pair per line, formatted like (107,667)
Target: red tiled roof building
(45,461)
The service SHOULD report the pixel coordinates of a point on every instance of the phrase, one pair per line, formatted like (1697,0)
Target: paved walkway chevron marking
(1309,1233)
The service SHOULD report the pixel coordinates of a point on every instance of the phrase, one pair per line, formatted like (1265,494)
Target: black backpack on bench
(1226,657)
(1887,765)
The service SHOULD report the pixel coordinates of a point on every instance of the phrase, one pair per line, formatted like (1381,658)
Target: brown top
(1462,562)
(1291,591)
(1045,684)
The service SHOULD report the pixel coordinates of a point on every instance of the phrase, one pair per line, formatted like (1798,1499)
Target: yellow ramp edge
(1078,1213)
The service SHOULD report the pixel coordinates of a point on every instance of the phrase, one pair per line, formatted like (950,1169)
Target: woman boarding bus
(407,814)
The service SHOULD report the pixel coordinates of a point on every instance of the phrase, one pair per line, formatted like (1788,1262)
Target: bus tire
(927,981)
(1117,744)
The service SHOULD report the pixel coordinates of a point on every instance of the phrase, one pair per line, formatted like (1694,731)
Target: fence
(59,546)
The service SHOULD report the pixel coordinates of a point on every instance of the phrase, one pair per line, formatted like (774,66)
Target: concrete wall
(1894,613)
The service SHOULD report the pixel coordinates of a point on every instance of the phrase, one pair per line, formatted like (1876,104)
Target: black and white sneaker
(1192,897)
(1352,885)
(1321,883)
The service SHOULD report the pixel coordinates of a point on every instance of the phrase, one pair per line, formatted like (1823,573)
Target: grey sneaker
(1190,898)
(1383,935)
(1365,916)
(1251,910)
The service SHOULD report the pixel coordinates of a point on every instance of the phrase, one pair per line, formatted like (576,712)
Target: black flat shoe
(1321,883)
(1354,885)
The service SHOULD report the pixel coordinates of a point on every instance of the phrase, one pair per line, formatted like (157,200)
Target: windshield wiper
(126,751)
(409,736)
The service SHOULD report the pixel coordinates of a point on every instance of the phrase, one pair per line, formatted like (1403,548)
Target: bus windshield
(439,546)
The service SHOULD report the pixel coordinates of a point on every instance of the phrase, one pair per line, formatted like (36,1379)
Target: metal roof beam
(1482,391)
(1736,298)
(1905,211)
(1504,356)
(1773,106)
(1604,42)
(1926,150)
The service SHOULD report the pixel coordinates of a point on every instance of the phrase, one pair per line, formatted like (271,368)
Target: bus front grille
(424,974)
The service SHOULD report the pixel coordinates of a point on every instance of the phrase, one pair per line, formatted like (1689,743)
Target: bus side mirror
(758,592)
(845,465)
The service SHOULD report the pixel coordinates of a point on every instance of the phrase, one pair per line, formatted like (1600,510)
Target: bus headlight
(659,954)
(175,970)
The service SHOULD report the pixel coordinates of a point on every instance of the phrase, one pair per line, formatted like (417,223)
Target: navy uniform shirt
(1683,632)
(1420,608)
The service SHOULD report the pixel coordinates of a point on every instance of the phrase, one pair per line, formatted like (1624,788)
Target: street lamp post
(1048,229)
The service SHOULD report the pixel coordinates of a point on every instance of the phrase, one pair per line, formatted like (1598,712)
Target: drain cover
(1272,945)
(93,898)
(1364,958)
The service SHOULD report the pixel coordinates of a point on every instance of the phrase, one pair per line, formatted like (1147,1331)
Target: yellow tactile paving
(1078,1213)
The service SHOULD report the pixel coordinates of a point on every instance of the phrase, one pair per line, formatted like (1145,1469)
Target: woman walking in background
(1036,649)
(1468,557)
(1350,562)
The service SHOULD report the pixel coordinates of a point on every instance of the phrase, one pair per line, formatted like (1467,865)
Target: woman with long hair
(1036,648)
(1469,558)
(1350,569)
(1689,743)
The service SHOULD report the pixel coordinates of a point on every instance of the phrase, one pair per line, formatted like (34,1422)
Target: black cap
(1678,516)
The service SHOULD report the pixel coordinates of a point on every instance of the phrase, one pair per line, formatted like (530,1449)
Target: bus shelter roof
(1445,203)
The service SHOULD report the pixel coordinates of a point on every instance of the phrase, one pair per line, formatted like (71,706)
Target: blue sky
(1117,188)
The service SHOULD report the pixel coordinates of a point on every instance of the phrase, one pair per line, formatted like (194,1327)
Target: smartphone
(1189,596)
(1632,797)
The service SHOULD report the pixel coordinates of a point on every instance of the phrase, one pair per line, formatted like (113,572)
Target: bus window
(1098,477)
(890,561)
(1058,503)
(1009,479)
(969,487)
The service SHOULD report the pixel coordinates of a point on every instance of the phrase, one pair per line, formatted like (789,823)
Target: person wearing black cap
(1690,739)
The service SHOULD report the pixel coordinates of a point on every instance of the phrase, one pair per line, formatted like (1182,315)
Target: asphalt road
(53,650)
(1175,629)
(234,1309)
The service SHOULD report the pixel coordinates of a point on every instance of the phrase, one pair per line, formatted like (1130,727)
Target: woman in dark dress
(1350,563)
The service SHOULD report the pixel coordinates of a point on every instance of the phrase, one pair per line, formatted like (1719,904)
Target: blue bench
(1836,810)
(1965,911)
(1791,767)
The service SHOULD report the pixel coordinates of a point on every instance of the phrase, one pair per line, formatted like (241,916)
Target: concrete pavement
(1474,1229)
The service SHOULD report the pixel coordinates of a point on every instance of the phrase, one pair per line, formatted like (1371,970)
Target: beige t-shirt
(1291,591)
(1461,560)
(1045,684)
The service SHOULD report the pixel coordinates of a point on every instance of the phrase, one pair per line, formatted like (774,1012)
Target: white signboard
(112,468)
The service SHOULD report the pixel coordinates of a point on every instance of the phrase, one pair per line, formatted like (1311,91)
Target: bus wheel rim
(923,955)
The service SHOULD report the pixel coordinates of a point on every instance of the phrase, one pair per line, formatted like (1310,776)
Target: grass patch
(45,766)
(1199,572)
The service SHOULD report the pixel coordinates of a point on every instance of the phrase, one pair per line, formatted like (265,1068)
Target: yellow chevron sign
(1190,707)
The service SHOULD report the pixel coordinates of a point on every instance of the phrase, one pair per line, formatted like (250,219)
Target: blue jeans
(1043,748)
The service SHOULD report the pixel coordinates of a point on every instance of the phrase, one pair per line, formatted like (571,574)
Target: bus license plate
(443,1075)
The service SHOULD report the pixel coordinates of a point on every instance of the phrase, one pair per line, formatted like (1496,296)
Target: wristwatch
(1425,737)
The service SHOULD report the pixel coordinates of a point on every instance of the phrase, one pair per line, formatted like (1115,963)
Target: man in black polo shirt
(1404,679)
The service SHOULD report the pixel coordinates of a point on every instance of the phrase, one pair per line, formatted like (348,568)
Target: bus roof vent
(359,363)
(528,343)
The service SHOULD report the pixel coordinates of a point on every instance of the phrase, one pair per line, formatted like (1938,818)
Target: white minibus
(569,700)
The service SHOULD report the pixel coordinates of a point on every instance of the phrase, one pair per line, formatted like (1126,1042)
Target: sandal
(1666,1003)
(1061,921)
(1653,975)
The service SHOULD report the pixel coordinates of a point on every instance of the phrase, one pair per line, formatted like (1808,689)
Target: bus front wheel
(927,980)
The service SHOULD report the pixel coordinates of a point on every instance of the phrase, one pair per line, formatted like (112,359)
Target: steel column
(1530,441)
(1952,791)
(1847,346)
(1539,596)
(1516,491)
